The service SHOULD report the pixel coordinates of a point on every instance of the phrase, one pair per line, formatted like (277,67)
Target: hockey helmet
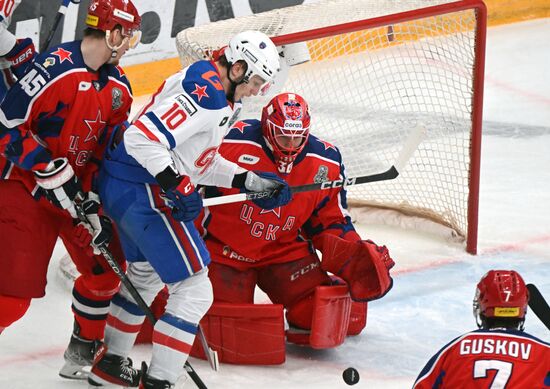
(285,125)
(501,294)
(259,53)
(104,15)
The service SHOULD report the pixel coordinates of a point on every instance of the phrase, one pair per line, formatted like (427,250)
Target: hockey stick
(539,305)
(60,13)
(133,291)
(414,139)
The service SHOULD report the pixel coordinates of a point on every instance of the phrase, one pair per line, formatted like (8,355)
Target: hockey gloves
(186,202)
(21,56)
(60,184)
(99,229)
(268,182)
(362,264)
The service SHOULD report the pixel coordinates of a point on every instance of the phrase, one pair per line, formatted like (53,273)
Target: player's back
(489,359)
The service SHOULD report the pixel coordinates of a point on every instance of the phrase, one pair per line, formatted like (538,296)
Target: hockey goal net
(376,70)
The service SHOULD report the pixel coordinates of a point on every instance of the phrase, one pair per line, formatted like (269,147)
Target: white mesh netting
(370,87)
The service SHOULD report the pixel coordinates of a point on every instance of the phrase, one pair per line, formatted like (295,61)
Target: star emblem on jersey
(63,55)
(95,127)
(276,211)
(240,126)
(327,145)
(200,92)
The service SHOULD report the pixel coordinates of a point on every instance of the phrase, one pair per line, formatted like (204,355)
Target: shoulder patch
(63,55)
(202,83)
(248,129)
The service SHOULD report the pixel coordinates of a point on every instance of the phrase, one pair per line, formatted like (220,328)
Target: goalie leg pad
(357,317)
(232,285)
(330,308)
(244,334)
(229,285)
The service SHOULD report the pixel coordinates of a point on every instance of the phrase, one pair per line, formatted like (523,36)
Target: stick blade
(415,138)
(538,305)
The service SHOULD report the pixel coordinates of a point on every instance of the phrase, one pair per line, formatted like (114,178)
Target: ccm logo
(188,188)
(338,183)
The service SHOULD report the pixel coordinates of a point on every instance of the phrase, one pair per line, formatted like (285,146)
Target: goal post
(375,70)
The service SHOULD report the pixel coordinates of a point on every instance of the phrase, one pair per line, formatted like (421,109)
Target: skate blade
(72,371)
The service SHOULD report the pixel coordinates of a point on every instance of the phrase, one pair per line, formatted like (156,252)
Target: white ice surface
(434,283)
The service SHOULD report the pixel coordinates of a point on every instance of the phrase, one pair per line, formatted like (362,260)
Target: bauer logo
(248,159)
(186,104)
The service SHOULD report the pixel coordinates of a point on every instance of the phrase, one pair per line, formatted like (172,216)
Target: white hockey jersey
(183,125)
(7,39)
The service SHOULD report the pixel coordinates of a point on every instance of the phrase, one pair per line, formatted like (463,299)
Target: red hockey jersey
(61,108)
(489,359)
(243,235)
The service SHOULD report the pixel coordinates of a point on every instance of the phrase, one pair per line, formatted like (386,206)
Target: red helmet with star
(501,294)
(285,125)
(104,15)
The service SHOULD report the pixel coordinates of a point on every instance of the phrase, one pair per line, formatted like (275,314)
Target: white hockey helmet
(259,53)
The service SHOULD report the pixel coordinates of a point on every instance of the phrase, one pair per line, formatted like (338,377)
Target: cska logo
(293,110)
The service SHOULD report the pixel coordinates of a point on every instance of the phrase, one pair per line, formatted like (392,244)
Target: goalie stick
(414,139)
(539,305)
(133,291)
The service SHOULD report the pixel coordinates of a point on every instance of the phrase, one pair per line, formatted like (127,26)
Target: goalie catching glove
(98,231)
(362,264)
(60,185)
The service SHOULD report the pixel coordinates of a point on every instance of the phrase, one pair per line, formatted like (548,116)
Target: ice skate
(110,369)
(148,382)
(79,357)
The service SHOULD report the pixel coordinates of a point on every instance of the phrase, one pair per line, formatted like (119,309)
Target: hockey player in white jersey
(15,54)
(147,186)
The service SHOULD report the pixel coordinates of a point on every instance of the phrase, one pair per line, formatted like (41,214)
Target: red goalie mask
(285,125)
(501,294)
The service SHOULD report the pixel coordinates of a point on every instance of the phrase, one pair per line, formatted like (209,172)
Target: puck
(350,376)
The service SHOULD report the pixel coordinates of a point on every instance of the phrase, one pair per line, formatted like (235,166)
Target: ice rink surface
(430,303)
